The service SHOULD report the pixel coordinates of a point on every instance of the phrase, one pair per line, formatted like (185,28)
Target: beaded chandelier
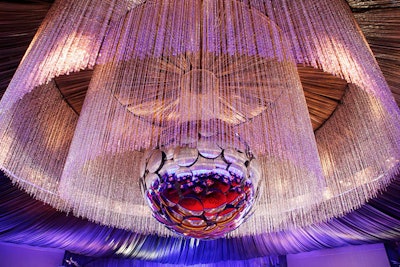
(195,117)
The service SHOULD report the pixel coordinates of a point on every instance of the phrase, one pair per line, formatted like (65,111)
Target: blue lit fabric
(27,221)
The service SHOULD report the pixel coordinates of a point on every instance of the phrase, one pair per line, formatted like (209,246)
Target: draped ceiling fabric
(376,221)
(27,221)
(92,167)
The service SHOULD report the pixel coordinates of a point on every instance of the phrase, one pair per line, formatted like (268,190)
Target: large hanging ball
(203,192)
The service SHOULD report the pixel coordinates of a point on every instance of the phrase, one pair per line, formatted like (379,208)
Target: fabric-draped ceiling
(27,221)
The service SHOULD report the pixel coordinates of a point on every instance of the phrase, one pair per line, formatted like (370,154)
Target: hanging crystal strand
(290,32)
(163,50)
(231,76)
(191,88)
(204,92)
(343,51)
(220,57)
(218,36)
(220,66)
(360,172)
(68,40)
(250,73)
(357,163)
(278,143)
(225,65)
(244,75)
(181,125)
(279,133)
(145,45)
(33,149)
(105,202)
(102,112)
(279,174)
(281,143)
(208,92)
(306,31)
(329,37)
(171,131)
(171,135)
(63,38)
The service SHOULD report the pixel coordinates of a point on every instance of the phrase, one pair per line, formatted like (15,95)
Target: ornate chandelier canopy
(196,115)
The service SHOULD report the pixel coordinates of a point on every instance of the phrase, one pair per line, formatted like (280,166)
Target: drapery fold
(27,221)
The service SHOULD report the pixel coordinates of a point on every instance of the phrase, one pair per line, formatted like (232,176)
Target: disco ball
(202,192)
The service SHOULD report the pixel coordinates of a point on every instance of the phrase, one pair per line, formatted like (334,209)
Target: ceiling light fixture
(198,104)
